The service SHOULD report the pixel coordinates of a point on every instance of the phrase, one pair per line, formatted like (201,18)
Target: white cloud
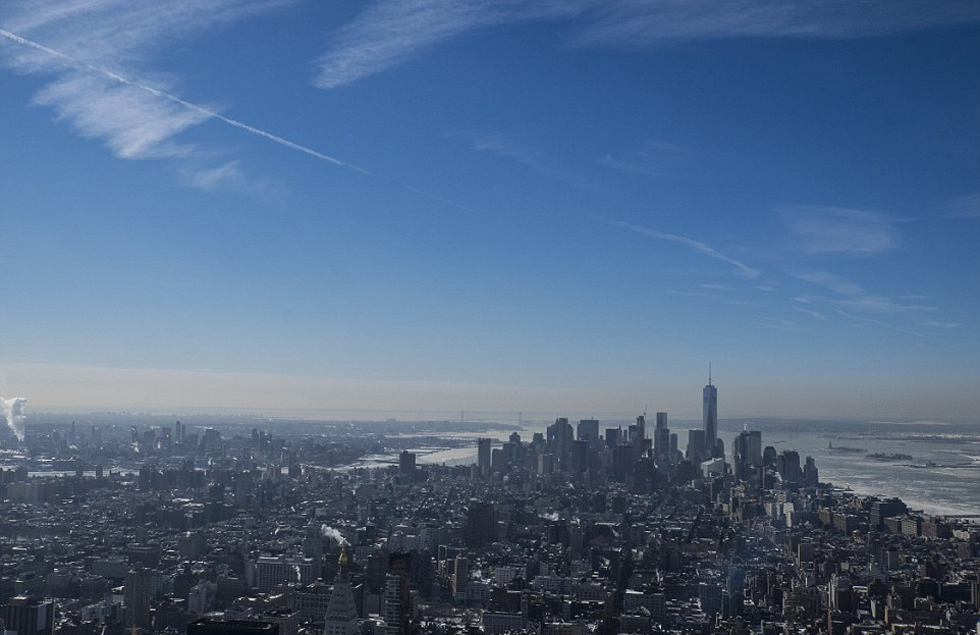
(742,268)
(866,320)
(392,31)
(963,207)
(210,179)
(831,281)
(505,146)
(89,48)
(813,314)
(943,325)
(643,22)
(132,123)
(828,230)
(655,158)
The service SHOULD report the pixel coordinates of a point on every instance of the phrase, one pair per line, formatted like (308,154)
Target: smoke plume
(13,410)
(329,532)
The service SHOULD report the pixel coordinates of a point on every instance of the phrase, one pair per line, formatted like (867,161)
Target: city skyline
(484,206)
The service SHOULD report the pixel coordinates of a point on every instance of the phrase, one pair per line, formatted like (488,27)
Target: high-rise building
(483,456)
(461,573)
(811,476)
(481,524)
(137,598)
(27,615)
(406,462)
(696,451)
(612,437)
(788,466)
(392,605)
(341,616)
(710,415)
(560,437)
(661,439)
(588,430)
(747,454)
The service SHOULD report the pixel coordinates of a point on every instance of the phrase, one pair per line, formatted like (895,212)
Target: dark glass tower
(710,414)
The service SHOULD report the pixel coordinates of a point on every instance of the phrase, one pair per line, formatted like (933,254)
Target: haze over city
(491,206)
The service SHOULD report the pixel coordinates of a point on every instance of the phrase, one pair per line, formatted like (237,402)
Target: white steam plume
(13,410)
(329,532)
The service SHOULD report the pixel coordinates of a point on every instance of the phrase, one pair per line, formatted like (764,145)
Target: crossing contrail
(105,72)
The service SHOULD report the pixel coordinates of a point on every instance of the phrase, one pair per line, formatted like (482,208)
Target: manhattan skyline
(491,206)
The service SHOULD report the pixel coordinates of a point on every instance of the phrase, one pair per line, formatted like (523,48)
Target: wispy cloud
(779,324)
(963,207)
(121,111)
(716,287)
(831,281)
(655,158)
(393,31)
(828,230)
(213,178)
(813,314)
(508,147)
(76,43)
(865,320)
(643,22)
(742,268)
(854,297)
(943,325)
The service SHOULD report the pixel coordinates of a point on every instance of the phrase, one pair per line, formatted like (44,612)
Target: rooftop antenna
(709,372)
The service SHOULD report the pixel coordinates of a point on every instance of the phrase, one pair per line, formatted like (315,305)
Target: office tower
(612,437)
(232,627)
(27,615)
(546,463)
(461,573)
(588,430)
(695,446)
(661,445)
(560,437)
(746,453)
(755,447)
(710,414)
(580,455)
(481,524)
(769,456)
(397,598)
(498,460)
(788,466)
(888,508)
(137,598)
(392,605)
(673,447)
(406,462)
(178,433)
(811,477)
(483,456)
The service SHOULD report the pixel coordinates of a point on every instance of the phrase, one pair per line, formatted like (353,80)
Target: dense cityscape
(580,529)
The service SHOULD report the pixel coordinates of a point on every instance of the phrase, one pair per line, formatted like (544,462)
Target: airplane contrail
(210,113)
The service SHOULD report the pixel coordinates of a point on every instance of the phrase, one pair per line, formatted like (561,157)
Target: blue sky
(491,205)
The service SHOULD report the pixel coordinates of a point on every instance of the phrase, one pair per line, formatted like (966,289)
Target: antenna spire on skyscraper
(709,372)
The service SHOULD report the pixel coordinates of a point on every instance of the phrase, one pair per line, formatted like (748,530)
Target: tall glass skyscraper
(710,415)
